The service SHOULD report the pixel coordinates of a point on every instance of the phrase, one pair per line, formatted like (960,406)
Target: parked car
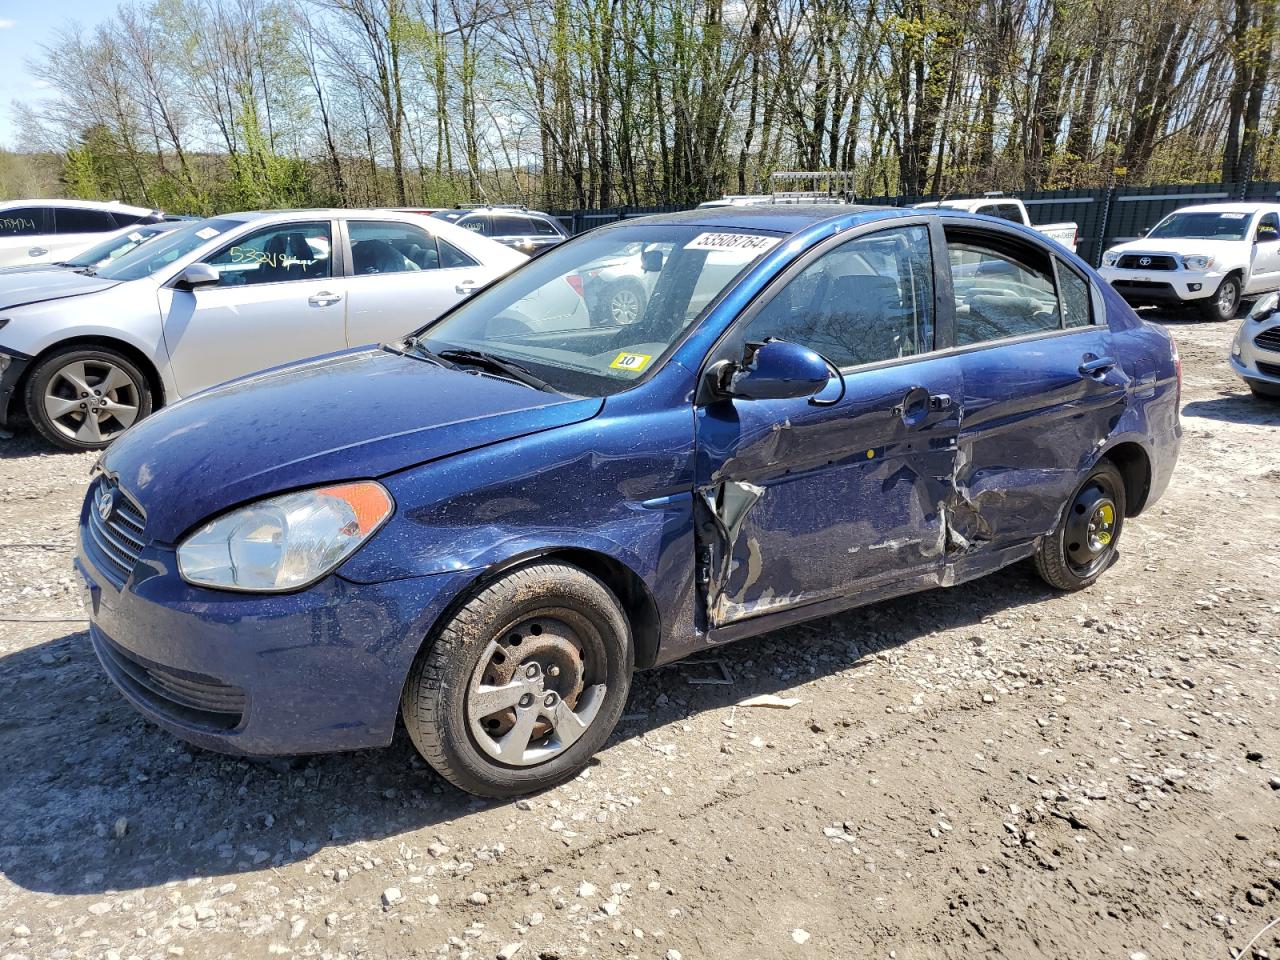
(1015,211)
(526,230)
(91,353)
(1208,256)
(113,246)
(485,527)
(41,231)
(1255,351)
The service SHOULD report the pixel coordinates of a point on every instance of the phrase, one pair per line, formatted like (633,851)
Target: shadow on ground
(77,758)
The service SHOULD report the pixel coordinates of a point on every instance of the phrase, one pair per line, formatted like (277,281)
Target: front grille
(188,697)
(1268,340)
(1133,261)
(119,538)
(1270,369)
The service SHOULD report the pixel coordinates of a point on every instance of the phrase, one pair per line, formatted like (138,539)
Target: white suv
(91,352)
(1209,256)
(44,231)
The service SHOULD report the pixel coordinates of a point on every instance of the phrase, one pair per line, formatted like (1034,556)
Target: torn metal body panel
(808,501)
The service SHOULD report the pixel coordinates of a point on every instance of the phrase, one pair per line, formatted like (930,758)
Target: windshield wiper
(498,365)
(413,347)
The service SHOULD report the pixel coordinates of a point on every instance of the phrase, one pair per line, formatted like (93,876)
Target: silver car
(1255,352)
(88,353)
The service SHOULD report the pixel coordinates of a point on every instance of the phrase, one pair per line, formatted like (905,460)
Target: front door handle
(466,287)
(1093,366)
(324,299)
(37,251)
(940,401)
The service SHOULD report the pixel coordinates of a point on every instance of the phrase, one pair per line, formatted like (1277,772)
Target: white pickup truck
(1011,208)
(1209,257)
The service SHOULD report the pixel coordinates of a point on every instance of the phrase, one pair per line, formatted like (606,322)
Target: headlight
(284,542)
(1197,263)
(1110,258)
(1265,307)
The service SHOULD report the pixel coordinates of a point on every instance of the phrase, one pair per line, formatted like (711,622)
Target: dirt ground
(990,771)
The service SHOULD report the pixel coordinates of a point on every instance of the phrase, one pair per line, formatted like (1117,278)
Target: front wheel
(1224,303)
(523,684)
(82,398)
(1084,544)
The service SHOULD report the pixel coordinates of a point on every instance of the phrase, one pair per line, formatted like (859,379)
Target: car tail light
(575,281)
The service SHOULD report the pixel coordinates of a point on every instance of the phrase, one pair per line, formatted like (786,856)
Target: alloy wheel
(91,401)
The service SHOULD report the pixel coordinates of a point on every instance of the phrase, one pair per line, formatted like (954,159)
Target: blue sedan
(486,527)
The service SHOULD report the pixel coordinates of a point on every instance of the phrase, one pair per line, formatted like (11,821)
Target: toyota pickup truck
(1209,257)
(1011,208)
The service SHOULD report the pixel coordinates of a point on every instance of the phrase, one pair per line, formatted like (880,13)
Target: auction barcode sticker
(752,243)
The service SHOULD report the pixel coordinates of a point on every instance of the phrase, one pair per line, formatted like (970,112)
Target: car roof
(108,205)
(782,218)
(1231,207)
(248,216)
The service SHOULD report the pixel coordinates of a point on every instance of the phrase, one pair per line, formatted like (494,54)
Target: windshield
(597,313)
(1203,226)
(147,258)
(114,246)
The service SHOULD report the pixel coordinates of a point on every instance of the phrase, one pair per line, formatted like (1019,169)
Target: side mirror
(778,370)
(197,275)
(651,260)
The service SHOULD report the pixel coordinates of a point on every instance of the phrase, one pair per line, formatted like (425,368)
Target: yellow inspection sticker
(631,361)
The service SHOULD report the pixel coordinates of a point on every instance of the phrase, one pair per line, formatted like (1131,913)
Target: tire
(82,398)
(1067,558)
(534,617)
(1224,303)
(623,303)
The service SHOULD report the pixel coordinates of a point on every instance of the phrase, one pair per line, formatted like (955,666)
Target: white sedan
(89,353)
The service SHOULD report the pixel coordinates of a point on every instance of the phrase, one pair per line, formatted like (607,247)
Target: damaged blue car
(664,435)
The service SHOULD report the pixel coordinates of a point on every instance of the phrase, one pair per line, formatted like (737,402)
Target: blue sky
(24,26)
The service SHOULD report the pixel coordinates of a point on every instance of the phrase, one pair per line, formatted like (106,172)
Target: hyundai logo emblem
(105,503)
(1144,262)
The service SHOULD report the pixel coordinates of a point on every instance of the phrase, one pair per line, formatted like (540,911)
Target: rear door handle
(1095,366)
(466,288)
(324,299)
(37,251)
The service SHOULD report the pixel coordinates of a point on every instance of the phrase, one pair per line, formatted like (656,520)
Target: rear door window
(78,220)
(391,247)
(1002,290)
(511,225)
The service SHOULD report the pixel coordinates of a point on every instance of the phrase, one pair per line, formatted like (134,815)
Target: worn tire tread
(421,701)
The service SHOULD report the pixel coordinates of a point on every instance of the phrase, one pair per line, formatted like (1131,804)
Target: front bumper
(11,373)
(259,674)
(1255,365)
(1161,287)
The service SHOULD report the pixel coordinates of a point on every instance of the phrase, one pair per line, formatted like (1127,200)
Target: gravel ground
(994,770)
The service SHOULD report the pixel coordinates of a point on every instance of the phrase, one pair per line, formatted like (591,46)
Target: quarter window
(1076,306)
(1000,291)
(384,247)
(867,300)
(294,251)
(24,221)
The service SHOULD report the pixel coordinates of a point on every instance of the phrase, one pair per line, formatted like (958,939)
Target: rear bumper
(316,671)
(12,366)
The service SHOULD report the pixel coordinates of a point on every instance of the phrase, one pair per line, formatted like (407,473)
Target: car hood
(52,283)
(1183,246)
(357,414)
